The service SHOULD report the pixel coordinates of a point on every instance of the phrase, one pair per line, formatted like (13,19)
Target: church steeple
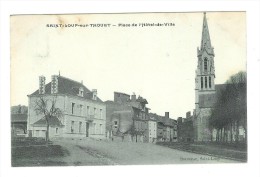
(205,39)
(205,73)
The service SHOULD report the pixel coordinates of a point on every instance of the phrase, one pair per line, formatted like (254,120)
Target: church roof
(205,39)
(69,87)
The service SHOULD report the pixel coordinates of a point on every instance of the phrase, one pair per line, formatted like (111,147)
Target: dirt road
(92,152)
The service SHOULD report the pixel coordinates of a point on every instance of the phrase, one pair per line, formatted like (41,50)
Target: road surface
(92,152)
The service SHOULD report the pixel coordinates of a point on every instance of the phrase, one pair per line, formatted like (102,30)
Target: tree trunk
(47,133)
(211,135)
(231,133)
(237,131)
(246,135)
(217,136)
(224,134)
(221,136)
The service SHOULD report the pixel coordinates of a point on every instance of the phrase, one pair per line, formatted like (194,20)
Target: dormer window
(81,92)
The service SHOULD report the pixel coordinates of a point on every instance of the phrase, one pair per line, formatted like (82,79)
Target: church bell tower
(205,72)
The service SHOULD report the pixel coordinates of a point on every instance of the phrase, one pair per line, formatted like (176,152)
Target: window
(72,127)
(95,111)
(81,92)
(94,128)
(57,130)
(115,124)
(37,133)
(87,110)
(205,64)
(81,110)
(209,81)
(206,82)
(101,131)
(72,108)
(80,127)
(101,114)
(201,80)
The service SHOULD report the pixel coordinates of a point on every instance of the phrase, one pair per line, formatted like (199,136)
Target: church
(206,91)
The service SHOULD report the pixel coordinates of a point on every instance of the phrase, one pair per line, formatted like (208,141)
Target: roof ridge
(71,80)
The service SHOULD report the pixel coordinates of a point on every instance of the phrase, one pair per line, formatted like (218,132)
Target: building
(205,88)
(19,120)
(19,124)
(127,118)
(185,128)
(84,113)
(151,134)
(206,91)
(166,128)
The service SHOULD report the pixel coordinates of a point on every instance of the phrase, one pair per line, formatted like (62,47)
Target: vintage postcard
(128,89)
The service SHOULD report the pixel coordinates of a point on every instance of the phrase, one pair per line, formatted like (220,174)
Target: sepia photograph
(128,89)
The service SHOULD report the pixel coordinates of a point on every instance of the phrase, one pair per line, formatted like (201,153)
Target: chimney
(94,93)
(41,84)
(188,114)
(167,115)
(179,120)
(133,97)
(54,84)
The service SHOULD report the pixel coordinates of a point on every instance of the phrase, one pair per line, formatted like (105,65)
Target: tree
(47,108)
(230,109)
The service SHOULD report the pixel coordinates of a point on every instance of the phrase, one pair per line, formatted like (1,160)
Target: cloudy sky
(156,62)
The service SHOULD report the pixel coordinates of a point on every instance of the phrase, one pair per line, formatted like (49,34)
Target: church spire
(205,38)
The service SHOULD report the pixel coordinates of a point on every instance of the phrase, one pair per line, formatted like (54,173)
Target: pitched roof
(69,87)
(18,118)
(142,100)
(53,121)
(134,104)
(163,120)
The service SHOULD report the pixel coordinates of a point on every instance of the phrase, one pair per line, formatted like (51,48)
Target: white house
(84,114)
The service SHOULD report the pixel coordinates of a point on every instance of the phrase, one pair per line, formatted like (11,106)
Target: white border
(57,7)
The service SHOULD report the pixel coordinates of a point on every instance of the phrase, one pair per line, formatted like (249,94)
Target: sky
(155,62)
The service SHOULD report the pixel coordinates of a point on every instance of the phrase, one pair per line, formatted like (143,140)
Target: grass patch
(26,141)
(38,155)
(230,151)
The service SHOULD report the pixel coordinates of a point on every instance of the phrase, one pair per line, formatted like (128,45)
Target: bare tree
(47,108)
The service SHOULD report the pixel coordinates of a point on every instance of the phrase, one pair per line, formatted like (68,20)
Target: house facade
(127,118)
(19,124)
(83,113)
(185,128)
(166,128)
(152,130)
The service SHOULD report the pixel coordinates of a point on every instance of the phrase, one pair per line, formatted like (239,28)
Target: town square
(141,95)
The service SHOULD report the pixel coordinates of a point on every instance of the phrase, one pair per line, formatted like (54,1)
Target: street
(91,152)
